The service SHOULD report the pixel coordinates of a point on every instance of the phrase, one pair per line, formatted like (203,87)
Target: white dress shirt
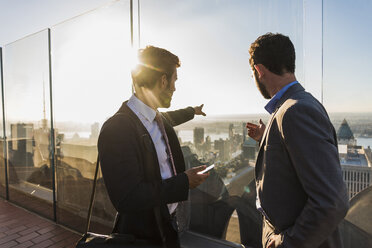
(147,117)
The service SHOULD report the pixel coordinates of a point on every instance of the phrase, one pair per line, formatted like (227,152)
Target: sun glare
(131,58)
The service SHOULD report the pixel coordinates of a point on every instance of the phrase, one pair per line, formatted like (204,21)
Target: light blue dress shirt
(271,105)
(147,117)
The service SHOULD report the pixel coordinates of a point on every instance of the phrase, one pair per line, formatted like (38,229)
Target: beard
(165,99)
(261,87)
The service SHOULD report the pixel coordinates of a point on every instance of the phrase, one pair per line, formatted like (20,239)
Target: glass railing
(212,39)
(27,110)
(91,77)
(3,184)
(91,58)
(347,97)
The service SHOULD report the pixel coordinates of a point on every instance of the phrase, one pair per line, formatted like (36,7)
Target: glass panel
(2,160)
(212,39)
(26,87)
(347,97)
(91,78)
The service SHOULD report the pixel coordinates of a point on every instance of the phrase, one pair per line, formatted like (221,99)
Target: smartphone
(206,169)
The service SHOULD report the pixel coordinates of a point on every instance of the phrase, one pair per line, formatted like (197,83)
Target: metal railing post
(5,150)
(131,23)
(52,132)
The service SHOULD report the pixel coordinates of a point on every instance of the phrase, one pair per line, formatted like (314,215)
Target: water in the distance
(365,142)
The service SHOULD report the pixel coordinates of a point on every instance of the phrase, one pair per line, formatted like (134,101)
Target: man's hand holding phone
(195,179)
(206,169)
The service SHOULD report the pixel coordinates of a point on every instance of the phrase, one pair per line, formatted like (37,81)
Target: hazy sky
(92,54)
(347,55)
(23,17)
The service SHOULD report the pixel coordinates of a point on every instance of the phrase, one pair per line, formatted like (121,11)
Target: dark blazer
(132,177)
(298,173)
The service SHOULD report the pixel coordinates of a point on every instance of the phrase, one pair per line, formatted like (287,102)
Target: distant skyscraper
(231,131)
(355,162)
(249,148)
(345,135)
(223,146)
(356,168)
(198,136)
(356,177)
(94,131)
(22,144)
(244,127)
(22,133)
(208,143)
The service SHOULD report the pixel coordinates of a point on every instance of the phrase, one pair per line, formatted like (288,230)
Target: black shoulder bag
(115,240)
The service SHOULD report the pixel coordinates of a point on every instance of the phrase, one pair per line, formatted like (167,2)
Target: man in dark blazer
(142,163)
(300,191)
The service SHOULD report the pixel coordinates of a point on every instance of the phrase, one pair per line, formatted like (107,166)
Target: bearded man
(300,191)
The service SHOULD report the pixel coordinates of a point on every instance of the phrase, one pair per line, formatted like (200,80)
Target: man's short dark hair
(153,63)
(275,51)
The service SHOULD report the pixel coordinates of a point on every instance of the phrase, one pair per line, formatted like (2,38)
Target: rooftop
(20,228)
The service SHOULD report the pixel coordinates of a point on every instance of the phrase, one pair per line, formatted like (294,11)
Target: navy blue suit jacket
(298,173)
(132,177)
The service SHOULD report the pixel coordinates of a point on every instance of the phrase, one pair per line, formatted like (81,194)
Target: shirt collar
(271,105)
(142,108)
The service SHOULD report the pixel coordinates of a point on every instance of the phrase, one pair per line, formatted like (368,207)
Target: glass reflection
(26,87)
(92,56)
(224,206)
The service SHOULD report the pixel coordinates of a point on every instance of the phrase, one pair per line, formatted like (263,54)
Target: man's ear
(163,81)
(260,68)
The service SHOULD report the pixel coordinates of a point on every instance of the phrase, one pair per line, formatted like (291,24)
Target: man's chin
(263,91)
(165,100)
(166,104)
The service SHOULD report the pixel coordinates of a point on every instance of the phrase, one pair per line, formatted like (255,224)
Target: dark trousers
(171,233)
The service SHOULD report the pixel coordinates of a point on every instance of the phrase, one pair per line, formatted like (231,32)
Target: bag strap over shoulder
(90,209)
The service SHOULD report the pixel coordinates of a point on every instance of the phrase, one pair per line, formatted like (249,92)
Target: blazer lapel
(146,137)
(267,128)
(263,140)
(292,90)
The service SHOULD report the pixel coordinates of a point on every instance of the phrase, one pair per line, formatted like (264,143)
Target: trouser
(171,233)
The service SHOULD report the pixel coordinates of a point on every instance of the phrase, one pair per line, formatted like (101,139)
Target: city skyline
(49,170)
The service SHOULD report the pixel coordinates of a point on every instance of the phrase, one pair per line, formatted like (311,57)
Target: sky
(24,17)
(347,55)
(92,56)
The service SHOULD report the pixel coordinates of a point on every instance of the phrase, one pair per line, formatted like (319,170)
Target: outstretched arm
(181,116)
